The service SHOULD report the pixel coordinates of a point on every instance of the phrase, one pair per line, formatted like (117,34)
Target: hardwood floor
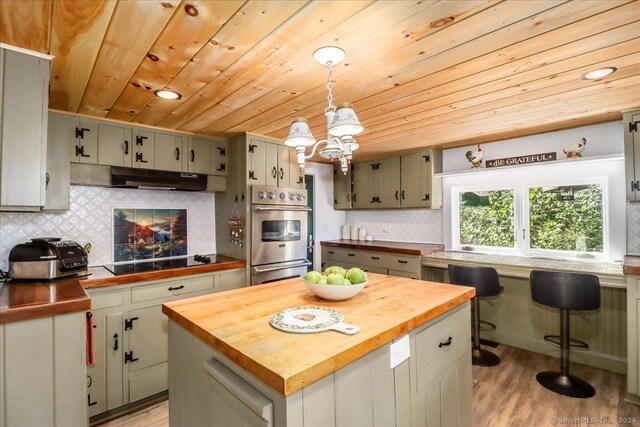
(506,395)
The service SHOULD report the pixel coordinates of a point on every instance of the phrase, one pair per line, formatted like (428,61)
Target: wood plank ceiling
(419,73)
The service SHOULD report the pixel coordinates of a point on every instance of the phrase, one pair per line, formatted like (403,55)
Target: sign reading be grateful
(521,160)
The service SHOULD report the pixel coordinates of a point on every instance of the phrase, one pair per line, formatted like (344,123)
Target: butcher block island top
(236,324)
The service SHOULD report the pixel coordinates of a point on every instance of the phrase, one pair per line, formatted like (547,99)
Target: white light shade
(330,151)
(299,134)
(345,122)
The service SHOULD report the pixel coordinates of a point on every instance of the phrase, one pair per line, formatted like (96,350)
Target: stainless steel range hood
(157,180)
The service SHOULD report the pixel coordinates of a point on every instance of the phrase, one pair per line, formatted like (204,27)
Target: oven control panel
(267,195)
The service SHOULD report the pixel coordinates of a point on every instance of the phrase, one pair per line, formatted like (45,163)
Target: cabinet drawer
(408,275)
(404,263)
(172,288)
(335,254)
(150,382)
(433,354)
(375,259)
(231,279)
(106,299)
(376,270)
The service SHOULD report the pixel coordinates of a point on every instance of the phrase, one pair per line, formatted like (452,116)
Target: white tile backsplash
(90,220)
(633,228)
(411,225)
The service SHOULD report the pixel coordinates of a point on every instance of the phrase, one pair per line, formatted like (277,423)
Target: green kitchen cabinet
(341,188)
(168,152)
(419,187)
(144,149)
(115,145)
(631,122)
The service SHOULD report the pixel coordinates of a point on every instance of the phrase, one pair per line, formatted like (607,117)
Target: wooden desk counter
(236,323)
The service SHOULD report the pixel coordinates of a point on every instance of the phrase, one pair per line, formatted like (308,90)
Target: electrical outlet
(399,351)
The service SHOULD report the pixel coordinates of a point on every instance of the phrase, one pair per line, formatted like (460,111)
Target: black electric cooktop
(165,264)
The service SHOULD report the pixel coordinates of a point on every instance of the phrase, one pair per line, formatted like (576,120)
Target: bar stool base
(480,357)
(565,385)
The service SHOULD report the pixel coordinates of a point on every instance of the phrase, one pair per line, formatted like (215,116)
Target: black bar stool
(487,284)
(566,291)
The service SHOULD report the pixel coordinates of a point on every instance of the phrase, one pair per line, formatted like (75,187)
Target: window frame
(522,238)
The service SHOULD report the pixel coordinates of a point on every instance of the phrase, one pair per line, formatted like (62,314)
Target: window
(562,219)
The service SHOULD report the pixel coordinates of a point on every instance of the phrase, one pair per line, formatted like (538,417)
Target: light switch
(399,351)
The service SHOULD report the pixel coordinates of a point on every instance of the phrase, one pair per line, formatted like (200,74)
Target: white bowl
(335,292)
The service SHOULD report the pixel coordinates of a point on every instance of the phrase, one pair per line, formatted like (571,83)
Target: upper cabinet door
(363,185)
(341,188)
(631,122)
(144,149)
(115,145)
(256,161)
(430,186)
(168,152)
(271,164)
(200,156)
(24,86)
(388,183)
(410,179)
(220,162)
(284,155)
(84,142)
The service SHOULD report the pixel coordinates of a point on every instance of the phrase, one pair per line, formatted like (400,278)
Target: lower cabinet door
(406,274)
(148,338)
(449,397)
(97,374)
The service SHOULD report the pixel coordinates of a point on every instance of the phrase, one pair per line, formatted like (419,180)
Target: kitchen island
(229,366)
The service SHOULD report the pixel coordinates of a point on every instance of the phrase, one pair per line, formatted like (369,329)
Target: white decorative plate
(306,320)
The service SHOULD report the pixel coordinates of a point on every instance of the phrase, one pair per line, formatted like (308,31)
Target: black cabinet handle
(193,156)
(281,173)
(373,200)
(115,343)
(402,194)
(402,261)
(331,252)
(397,193)
(126,147)
(375,257)
(177,288)
(274,172)
(47,179)
(348,197)
(354,197)
(90,403)
(426,197)
(351,254)
(80,132)
(445,343)
(222,167)
(177,153)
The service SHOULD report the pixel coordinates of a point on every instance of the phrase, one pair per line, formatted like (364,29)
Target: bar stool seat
(565,291)
(485,281)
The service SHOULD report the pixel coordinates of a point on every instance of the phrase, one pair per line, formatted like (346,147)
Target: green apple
(357,276)
(323,280)
(312,277)
(335,279)
(347,282)
(335,270)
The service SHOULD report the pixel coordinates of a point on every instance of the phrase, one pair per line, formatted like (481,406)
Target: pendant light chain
(331,107)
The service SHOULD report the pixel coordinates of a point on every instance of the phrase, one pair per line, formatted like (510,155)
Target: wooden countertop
(631,265)
(385,246)
(101,277)
(24,300)
(236,323)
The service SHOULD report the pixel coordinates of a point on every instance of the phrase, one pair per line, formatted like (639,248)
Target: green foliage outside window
(566,218)
(487,224)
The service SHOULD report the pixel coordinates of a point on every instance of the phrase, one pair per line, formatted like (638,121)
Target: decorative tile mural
(149,233)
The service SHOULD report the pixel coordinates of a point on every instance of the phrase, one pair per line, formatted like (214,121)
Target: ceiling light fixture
(167,94)
(342,122)
(598,73)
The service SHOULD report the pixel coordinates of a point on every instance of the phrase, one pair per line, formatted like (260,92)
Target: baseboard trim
(597,360)
(128,409)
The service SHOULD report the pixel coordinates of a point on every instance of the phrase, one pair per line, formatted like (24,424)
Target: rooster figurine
(575,150)
(475,158)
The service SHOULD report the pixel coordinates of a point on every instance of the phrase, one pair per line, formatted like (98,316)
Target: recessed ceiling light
(167,94)
(598,73)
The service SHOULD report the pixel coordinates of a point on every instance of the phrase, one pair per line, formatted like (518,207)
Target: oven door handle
(304,263)
(282,208)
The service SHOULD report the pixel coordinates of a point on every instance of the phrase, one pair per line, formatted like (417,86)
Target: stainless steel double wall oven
(278,233)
